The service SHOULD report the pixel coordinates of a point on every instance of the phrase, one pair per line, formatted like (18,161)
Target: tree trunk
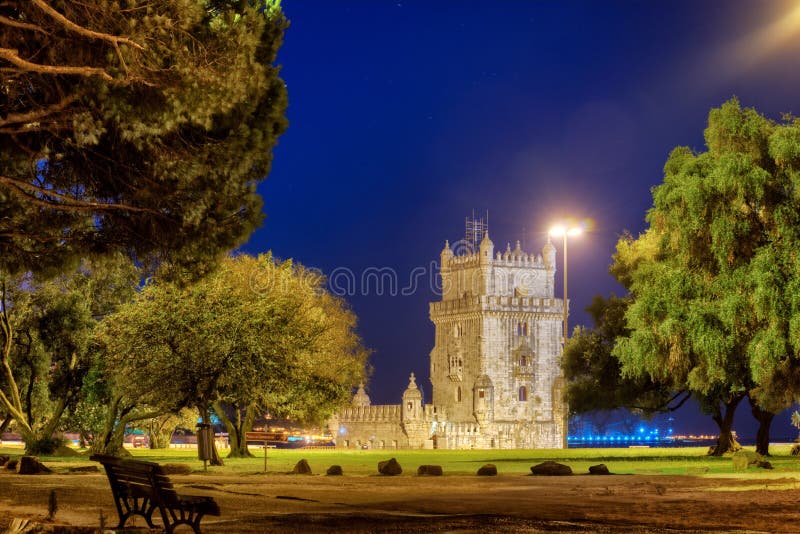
(724,419)
(237,429)
(6,422)
(109,440)
(764,419)
(159,438)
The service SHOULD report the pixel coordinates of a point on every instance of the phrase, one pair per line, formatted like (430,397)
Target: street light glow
(560,230)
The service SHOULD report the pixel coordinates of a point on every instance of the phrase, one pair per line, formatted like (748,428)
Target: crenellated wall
(389,413)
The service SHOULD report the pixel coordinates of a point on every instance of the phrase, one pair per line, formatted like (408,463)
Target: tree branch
(33,237)
(12,57)
(64,21)
(24,25)
(24,190)
(665,407)
(34,116)
(14,405)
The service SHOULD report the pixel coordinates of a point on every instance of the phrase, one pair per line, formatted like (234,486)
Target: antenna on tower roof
(475,229)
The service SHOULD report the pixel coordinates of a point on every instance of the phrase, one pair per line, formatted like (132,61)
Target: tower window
(458,394)
(523,394)
(525,329)
(523,360)
(480,393)
(410,406)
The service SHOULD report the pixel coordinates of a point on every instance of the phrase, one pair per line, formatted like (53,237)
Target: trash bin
(205,441)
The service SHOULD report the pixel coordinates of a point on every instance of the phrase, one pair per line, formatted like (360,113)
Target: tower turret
(412,401)
(549,255)
(483,399)
(486,249)
(444,271)
(549,258)
(361,398)
(446,255)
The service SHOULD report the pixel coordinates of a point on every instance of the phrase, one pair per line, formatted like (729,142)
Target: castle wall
(376,426)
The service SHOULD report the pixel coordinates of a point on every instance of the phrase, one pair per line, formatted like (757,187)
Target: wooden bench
(139,488)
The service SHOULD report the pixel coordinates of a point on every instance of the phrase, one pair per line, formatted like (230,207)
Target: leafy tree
(135,126)
(714,279)
(160,429)
(594,375)
(253,336)
(46,351)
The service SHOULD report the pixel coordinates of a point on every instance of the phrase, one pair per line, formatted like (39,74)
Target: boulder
(430,470)
(177,469)
(763,464)
(334,470)
(551,468)
(302,468)
(4,460)
(30,465)
(63,450)
(389,467)
(12,464)
(599,469)
(488,470)
(743,459)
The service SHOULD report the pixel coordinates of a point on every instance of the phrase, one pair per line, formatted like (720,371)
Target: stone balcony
(524,371)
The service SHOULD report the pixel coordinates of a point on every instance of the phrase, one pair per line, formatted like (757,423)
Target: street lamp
(557,231)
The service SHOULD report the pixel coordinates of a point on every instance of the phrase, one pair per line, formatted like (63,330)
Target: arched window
(525,328)
(523,394)
(523,360)
(458,394)
(519,329)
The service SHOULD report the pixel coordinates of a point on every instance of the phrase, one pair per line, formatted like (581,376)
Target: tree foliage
(714,279)
(594,375)
(255,335)
(46,333)
(132,125)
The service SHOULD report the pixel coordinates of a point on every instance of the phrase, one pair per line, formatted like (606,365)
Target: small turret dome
(412,391)
(447,251)
(361,398)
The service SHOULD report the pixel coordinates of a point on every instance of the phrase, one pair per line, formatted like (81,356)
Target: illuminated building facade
(495,363)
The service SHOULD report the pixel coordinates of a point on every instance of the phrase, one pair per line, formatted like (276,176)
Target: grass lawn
(652,461)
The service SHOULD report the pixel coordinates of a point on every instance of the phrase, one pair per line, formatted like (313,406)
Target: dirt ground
(407,503)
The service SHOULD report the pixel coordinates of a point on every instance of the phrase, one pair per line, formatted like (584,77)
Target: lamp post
(557,231)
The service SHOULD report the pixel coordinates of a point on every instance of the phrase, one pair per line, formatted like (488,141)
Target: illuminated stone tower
(495,364)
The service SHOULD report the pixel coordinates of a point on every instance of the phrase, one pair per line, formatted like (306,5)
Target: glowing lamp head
(559,231)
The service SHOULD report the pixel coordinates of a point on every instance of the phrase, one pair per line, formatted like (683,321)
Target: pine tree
(135,126)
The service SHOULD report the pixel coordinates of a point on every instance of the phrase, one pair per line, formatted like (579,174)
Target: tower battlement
(509,303)
(512,273)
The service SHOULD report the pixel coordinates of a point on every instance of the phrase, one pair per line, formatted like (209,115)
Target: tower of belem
(495,364)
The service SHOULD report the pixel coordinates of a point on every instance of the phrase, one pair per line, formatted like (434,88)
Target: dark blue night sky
(407,115)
